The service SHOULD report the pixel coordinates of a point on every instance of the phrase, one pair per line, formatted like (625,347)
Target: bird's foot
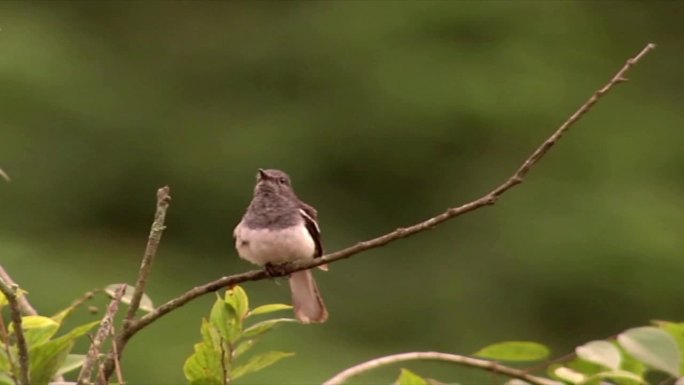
(274,270)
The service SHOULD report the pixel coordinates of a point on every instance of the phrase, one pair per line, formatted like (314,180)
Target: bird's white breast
(261,246)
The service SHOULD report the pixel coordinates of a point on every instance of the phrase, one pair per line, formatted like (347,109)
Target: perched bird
(278,228)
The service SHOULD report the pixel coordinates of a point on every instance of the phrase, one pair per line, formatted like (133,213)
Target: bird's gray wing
(311,222)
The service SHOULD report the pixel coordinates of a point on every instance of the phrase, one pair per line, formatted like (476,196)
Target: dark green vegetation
(383,114)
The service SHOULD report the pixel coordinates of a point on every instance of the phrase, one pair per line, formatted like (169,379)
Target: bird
(278,228)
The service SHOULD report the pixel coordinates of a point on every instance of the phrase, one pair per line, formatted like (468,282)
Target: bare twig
(100,372)
(4,176)
(490,366)
(223,362)
(10,292)
(488,199)
(117,363)
(88,295)
(156,231)
(163,201)
(103,332)
(101,375)
(24,305)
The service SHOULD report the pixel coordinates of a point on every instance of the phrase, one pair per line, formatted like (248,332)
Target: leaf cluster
(634,357)
(49,355)
(220,357)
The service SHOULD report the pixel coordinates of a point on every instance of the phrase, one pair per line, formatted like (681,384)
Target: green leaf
(407,377)
(225,320)
(224,340)
(630,363)
(79,330)
(676,330)
(237,298)
(145,302)
(204,366)
(61,316)
(47,358)
(264,309)
(206,381)
(259,362)
(262,327)
(38,329)
(36,322)
(619,376)
(569,375)
(4,362)
(72,362)
(585,367)
(514,351)
(654,347)
(600,352)
(210,335)
(4,378)
(242,348)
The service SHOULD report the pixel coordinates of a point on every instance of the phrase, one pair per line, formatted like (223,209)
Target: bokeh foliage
(384,113)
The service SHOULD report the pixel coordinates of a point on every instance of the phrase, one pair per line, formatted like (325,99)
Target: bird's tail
(306,299)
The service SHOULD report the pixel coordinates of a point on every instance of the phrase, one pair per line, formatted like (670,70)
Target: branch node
(22,301)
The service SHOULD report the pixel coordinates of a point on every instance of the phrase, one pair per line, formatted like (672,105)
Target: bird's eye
(282,180)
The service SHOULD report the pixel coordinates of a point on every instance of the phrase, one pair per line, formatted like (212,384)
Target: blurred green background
(384,113)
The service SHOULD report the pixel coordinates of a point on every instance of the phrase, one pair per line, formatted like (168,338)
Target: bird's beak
(262,174)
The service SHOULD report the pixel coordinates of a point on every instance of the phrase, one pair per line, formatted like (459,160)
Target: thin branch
(102,333)
(10,292)
(163,201)
(117,363)
(156,231)
(223,362)
(101,376)
(490,366)
(88,295)
(485,200)
(24,305)
(4,176)
(488,199)
(101,373)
